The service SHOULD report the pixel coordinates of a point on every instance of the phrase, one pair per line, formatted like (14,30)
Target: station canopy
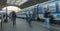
(24,3)
(19,3)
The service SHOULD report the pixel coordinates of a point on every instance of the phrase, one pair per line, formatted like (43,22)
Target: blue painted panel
(40,10)
(57,7)
(37,9)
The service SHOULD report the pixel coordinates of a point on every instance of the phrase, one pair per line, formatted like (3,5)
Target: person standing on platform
(27,17)
(14,17)
(10,16)
(30,18)
(47,15)
(5,18)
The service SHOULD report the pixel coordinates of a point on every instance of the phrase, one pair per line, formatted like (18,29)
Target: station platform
(22,25)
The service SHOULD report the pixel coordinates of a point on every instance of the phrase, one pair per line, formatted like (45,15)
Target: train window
(58,16)
(44,7)
(52,7)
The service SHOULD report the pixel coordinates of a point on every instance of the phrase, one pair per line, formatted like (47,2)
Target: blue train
(39,9)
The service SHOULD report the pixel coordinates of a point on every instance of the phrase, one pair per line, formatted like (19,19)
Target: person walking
(14,17)
(27,17)
(47,15)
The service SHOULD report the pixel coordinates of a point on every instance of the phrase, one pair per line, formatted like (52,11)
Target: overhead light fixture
(13,1)
(17,2)
(8,1)
(23,1)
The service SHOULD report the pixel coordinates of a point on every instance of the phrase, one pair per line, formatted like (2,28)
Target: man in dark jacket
(14,17)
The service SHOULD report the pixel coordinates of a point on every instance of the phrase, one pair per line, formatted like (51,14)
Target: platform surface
(22,25)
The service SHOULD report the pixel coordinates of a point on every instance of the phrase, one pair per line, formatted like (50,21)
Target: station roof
(21,3)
